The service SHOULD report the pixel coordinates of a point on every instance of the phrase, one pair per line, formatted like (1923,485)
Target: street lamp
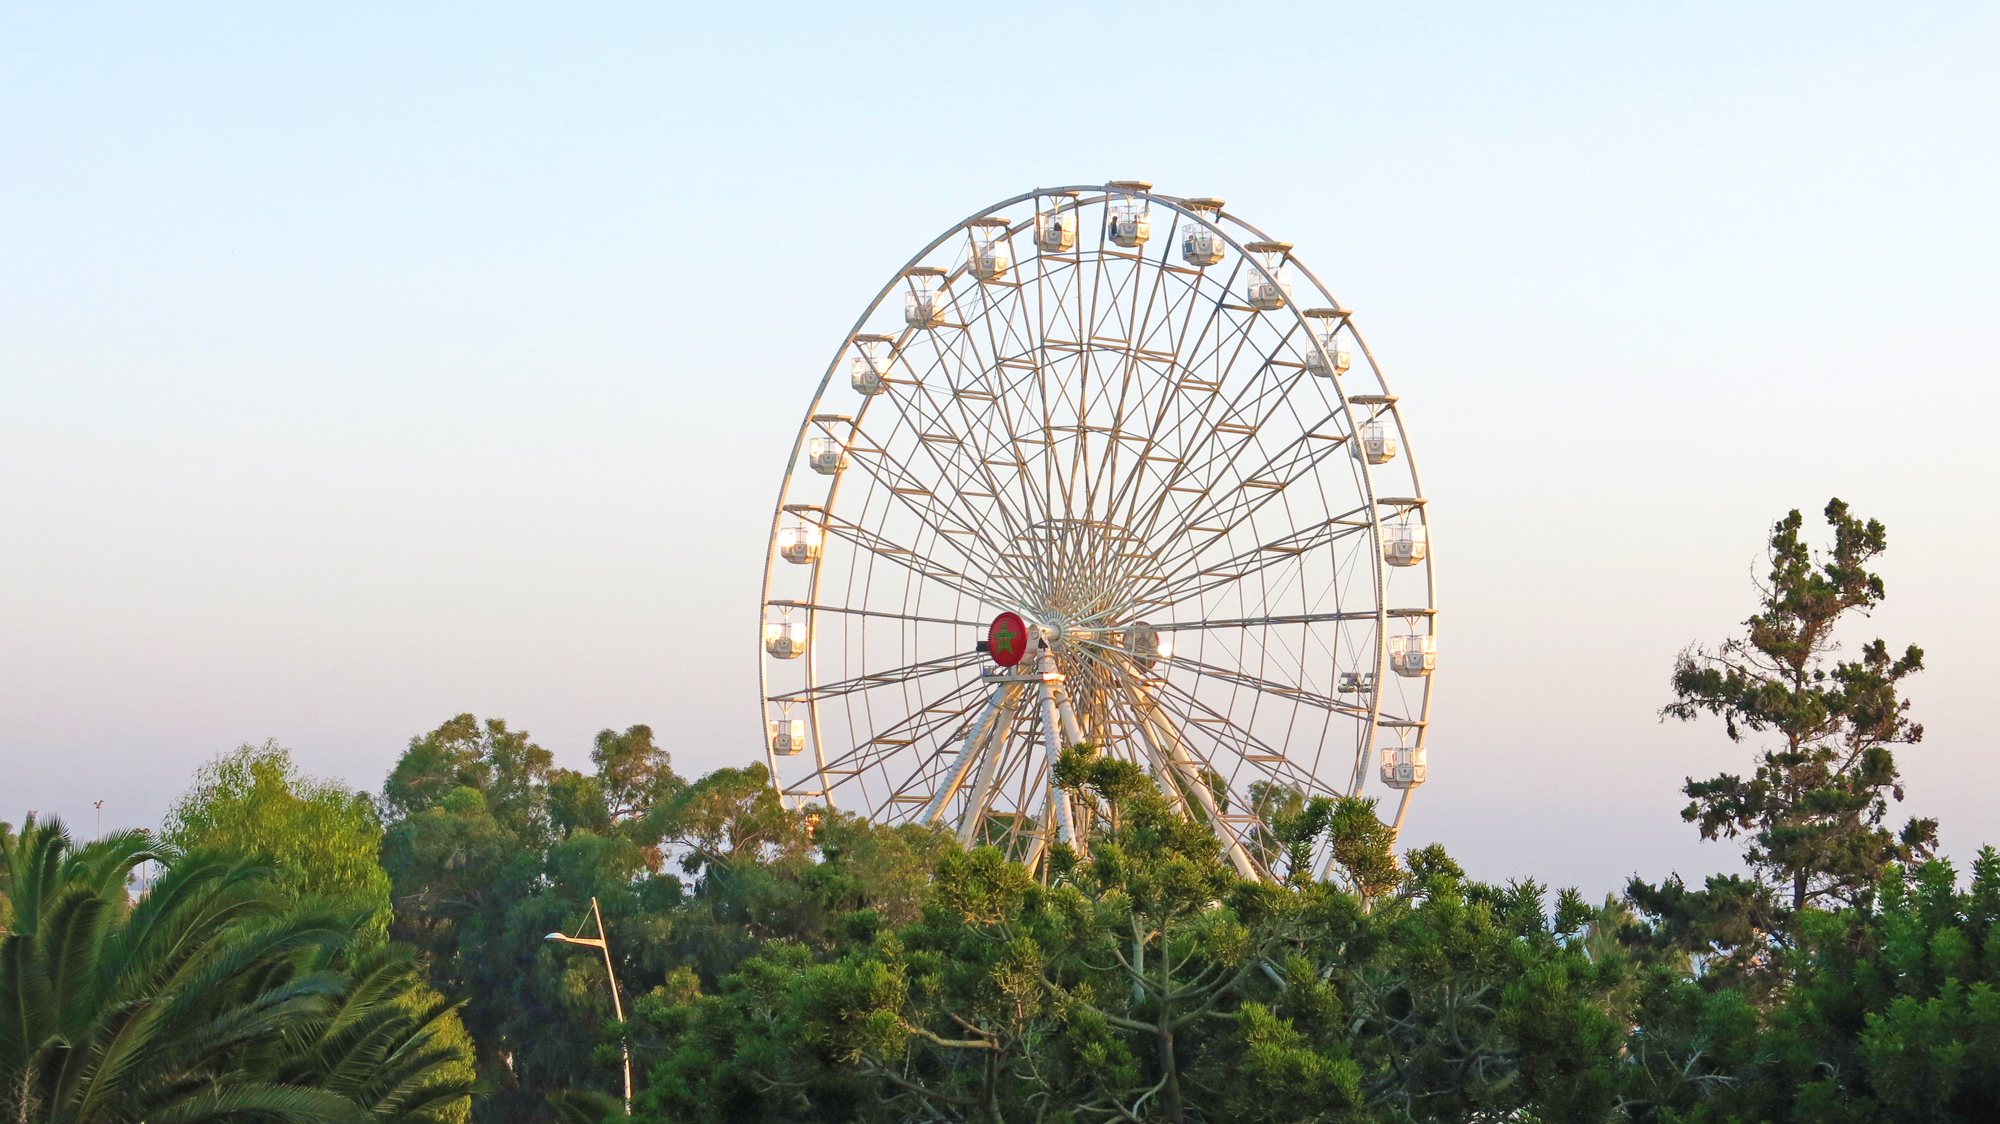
(617,1008)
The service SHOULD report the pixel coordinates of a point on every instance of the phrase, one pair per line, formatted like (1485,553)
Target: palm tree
(389,1043)
(209,998)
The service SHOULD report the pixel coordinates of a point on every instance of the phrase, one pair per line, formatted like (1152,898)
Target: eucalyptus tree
(322,839)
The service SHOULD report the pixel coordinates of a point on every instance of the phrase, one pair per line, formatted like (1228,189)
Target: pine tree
(1814,811)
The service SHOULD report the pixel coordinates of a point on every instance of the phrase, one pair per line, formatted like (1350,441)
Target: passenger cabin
(1413,655)
(1405,543)
(800,544)
(1326,351)
(1148,645)
(1129,217)
(868,371)
(827,455)
(788,736)
(1374,444)
(1269,285)
(991,256)
(1201,243)
(1403,766)
(1055,228)
(924,304)
(785,639)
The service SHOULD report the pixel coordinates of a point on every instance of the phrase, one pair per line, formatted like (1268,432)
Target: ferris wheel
(1099,465)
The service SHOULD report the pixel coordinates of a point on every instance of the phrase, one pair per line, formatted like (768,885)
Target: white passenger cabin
(785,639)
(1129,223)
(800,545)
(991,255)
(1326,351)
(925,302)
(1405,544)
(1403,765)
(788,736)
(868,371)
(1413,655)
(1269,288)
(1148,645)
(1055,229)
(827,455)
(991,259)
(1201,245)
(1375,444)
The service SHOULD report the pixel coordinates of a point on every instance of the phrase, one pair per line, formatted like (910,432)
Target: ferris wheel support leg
(1166,772)
(989,761)
(1151,724)
(1072,730)
(1058,797)
(955,774)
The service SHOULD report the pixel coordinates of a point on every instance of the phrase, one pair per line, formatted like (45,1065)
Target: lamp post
(617,1008)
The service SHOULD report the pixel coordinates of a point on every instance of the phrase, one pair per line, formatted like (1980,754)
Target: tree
(388,1042)
(468,851)
(322,840)
(1891,1014)
(1146,981)
(211,997)
(1814,811)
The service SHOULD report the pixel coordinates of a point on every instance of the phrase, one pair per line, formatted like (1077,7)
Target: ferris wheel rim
(1081,197)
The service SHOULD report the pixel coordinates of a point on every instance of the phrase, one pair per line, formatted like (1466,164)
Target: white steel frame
(1099,438)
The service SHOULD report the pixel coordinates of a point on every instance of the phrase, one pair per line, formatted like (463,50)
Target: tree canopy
(212,996)
(320,839)
(799,964)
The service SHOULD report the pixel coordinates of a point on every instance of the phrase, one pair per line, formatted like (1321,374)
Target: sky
(361,365)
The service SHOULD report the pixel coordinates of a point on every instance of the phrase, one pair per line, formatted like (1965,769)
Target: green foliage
(320,839)
(1147,981)
(1891,1014)
(210,997)
(1813,813)
(490,847)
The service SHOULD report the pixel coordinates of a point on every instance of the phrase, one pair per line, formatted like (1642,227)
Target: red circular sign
(1007,639)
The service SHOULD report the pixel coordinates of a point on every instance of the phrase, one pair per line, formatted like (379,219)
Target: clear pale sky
(365,364)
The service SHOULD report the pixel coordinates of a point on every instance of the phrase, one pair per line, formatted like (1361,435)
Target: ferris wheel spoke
(1195,713)
(1219,433)
(1005,435)
(914,729)
(1266,686)
(1144,290)
(874,679)
(852,612)
(1132,404)
(923,567)
(1265,622)
(1227,442)
(972,478)
(1233,742)
(1298,459)
(1180,584)
(1171,395)
(918,494)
